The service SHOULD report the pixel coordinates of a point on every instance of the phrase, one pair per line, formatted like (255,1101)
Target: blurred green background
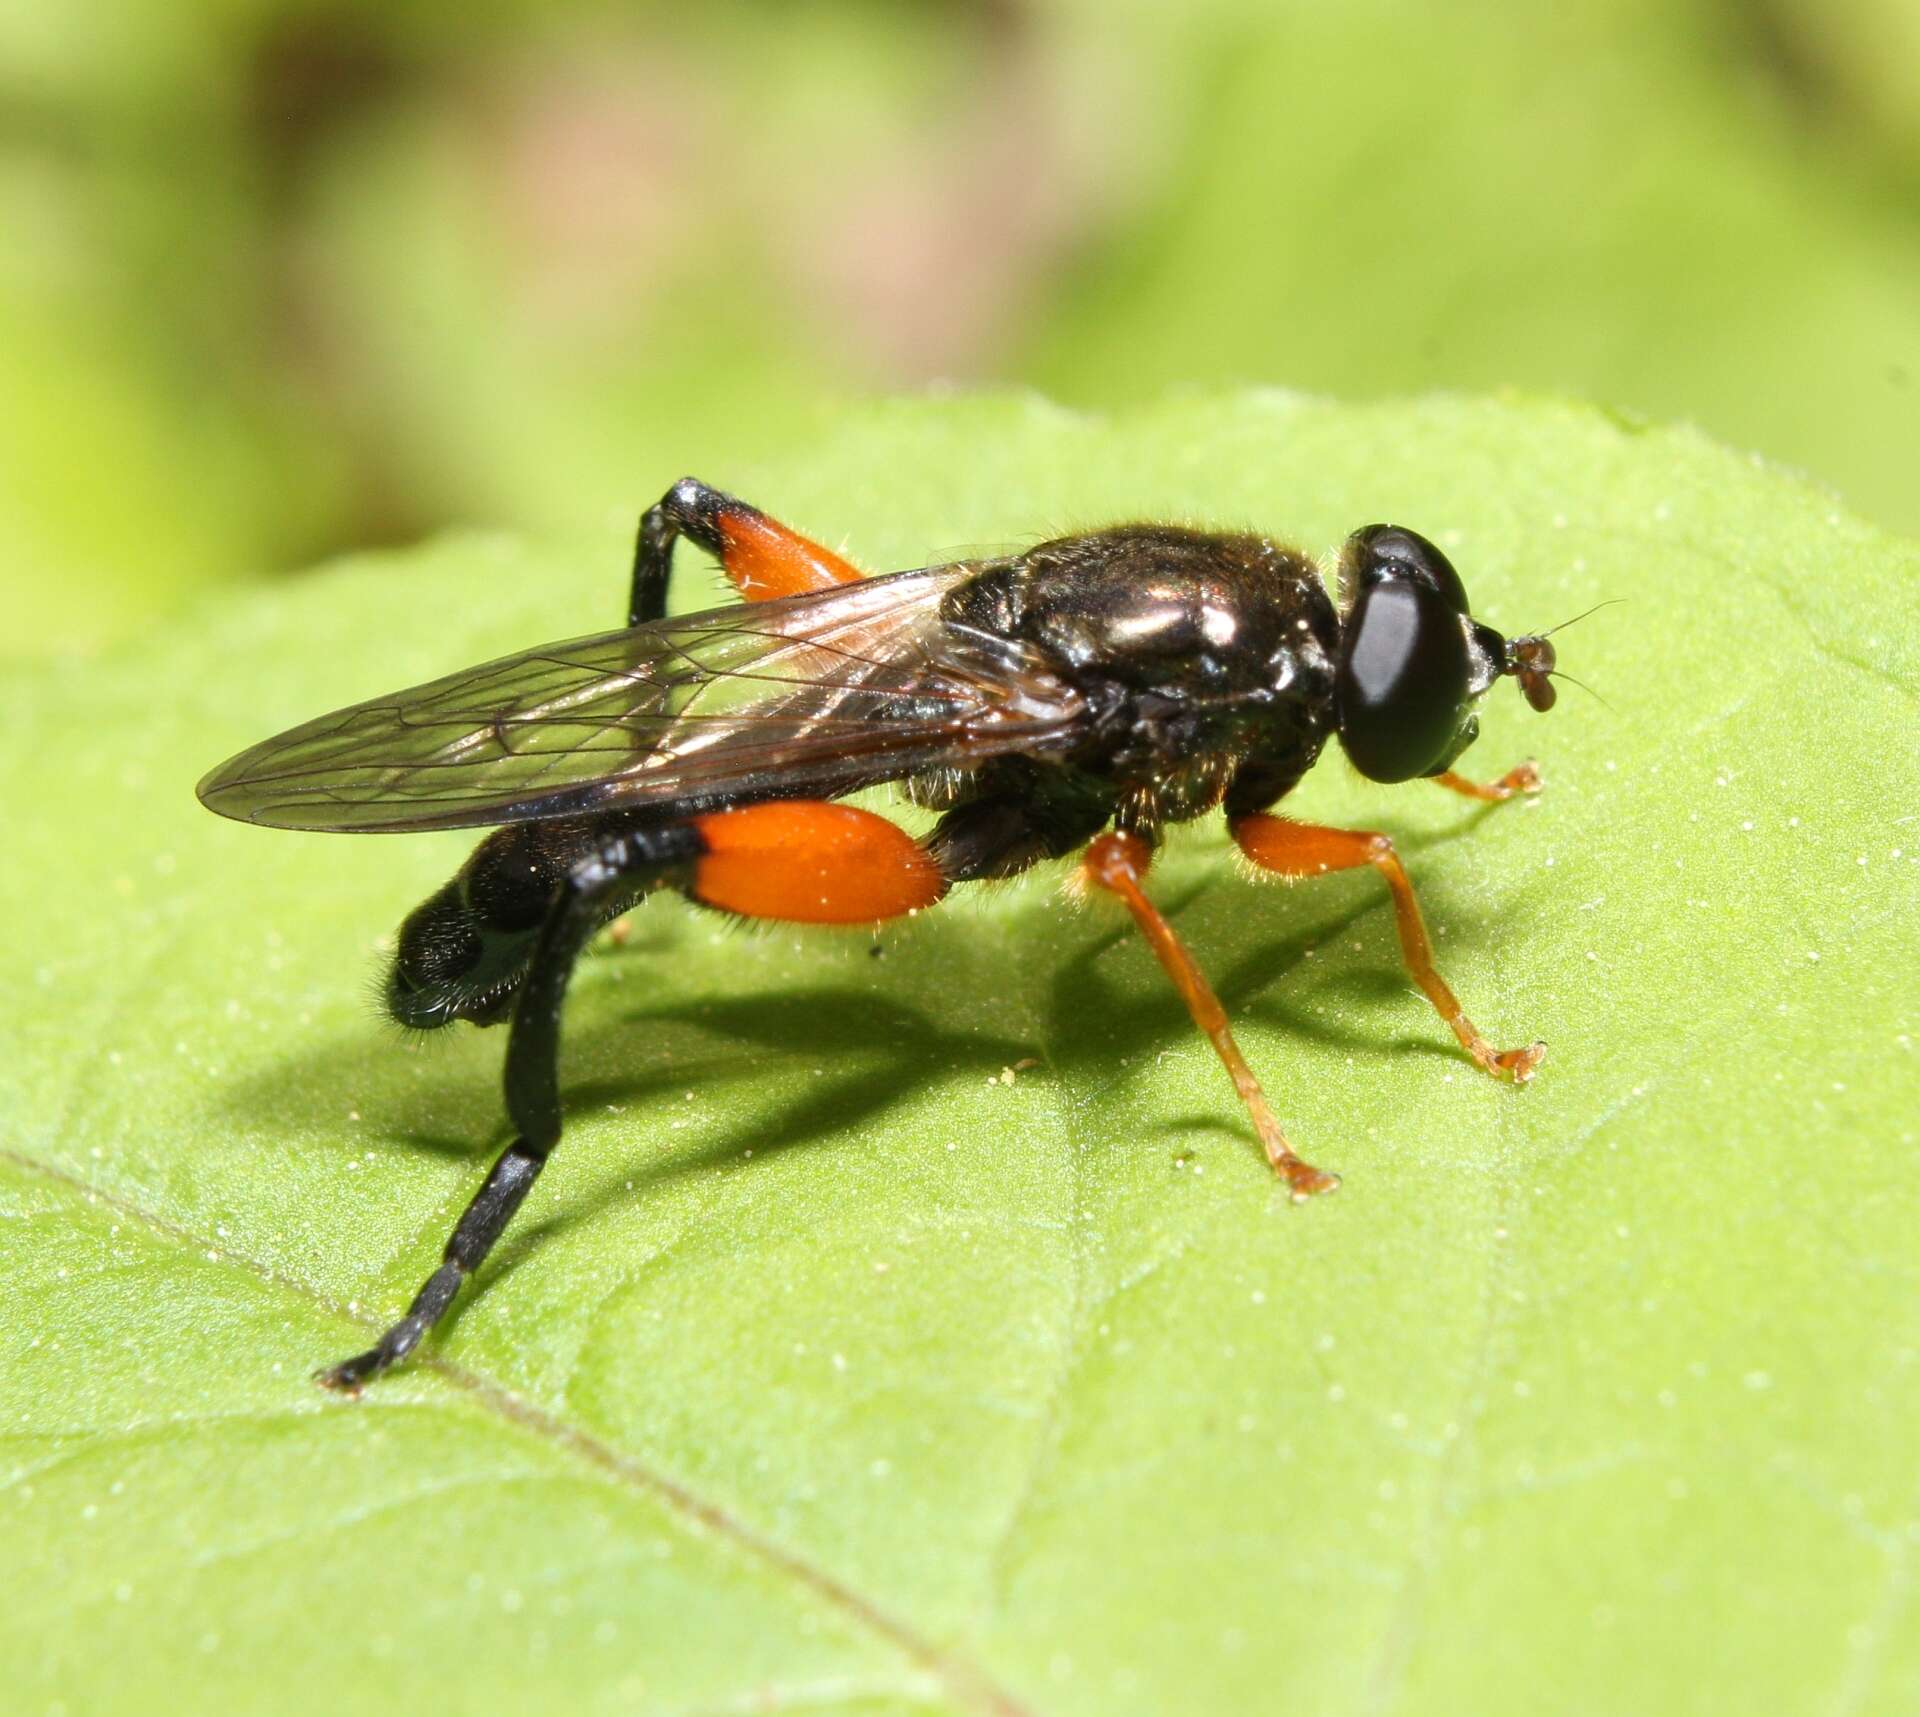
(283,279)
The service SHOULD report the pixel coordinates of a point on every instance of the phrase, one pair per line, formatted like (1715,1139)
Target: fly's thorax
(1199,652)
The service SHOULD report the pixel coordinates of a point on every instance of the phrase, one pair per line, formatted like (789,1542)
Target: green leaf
(831,1367)
(1397,196)
(146,448)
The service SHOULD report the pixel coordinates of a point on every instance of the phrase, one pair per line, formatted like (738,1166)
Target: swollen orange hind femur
(811,862)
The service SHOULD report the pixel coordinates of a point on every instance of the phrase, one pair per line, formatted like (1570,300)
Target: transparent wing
(814,694)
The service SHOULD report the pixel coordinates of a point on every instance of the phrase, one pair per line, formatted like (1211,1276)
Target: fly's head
(1414,662)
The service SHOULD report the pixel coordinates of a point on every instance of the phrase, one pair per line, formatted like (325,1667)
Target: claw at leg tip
(339,1380)
(1524,1062)
(1310,1184)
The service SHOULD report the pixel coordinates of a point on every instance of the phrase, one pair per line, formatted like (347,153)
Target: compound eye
(1385,550)
(1403,679)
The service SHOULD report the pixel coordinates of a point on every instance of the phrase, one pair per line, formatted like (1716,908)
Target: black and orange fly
(1077,697)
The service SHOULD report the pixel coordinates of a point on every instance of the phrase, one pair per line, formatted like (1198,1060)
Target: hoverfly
(1079,696)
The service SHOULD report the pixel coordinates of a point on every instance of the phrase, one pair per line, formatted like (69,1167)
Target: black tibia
(691,509)
(620,866)
(463,951)
(473,1237)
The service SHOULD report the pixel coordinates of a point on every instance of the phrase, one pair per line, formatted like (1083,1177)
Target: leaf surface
(923,1332)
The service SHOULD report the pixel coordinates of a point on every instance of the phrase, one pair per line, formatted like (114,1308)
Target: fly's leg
(760,555)
(804,861)
(1306,849)
(1118,863)
(1523,778)
(624,863)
